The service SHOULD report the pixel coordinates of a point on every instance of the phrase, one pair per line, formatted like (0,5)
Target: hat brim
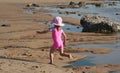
(59,24)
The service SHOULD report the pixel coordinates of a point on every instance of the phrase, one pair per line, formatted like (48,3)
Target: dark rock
(78,27)
(99,4)
(99,24)
(35,5)
(72,3)
(112,4)
(32,5)
(79,14)
(27,5)
(82,4)
(83,71)
(62,6)
(117,13)
(5,25)
(67,12)
(68,28)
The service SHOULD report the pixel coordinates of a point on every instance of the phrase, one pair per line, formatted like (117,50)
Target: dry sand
(24,51)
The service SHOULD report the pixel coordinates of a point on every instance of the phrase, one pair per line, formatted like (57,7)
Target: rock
(82,4)
(72,3)
(79,14)
(67,12)
(32,5)
(99,24)
(99,4)
(77,27)
(27,5)
(68,28)
(62,6)
(117,14)
(27,54)
(35,5)
(112,4)
(5,25)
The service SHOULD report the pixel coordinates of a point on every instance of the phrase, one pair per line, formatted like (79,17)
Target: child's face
(58,27)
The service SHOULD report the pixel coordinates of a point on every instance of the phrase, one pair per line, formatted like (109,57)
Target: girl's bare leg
(64,54)
(51,55)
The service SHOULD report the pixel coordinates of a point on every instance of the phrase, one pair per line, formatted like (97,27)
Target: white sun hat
(57,21)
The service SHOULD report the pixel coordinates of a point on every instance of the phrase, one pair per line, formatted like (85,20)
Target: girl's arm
(64,38)
(42,32)
(45,31)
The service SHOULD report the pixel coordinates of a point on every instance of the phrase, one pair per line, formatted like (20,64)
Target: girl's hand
(64,43)
(42,32)
(64,37)
(38,32)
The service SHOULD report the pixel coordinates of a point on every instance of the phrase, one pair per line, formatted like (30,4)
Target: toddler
(58,42)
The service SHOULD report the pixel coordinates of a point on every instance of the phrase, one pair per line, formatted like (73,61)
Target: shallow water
(111,0)
(114,72)
(67,28)
(96,59)
(28,11)
(72,28)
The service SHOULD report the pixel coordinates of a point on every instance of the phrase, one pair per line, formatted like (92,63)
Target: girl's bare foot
(50,63)
(70,56)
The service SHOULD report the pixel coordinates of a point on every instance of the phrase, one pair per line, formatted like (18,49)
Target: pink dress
(57,39)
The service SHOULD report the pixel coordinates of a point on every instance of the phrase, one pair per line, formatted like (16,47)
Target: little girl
(57,34)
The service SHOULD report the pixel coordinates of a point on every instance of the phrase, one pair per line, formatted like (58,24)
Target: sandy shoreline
(24,51)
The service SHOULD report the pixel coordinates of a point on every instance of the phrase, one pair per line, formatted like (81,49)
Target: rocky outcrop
(99,24)
(76,5)
(84,3)
(32,5)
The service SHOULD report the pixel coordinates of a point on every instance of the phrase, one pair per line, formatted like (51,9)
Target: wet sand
(24,51)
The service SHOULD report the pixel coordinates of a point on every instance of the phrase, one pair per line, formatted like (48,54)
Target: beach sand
(22,50)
